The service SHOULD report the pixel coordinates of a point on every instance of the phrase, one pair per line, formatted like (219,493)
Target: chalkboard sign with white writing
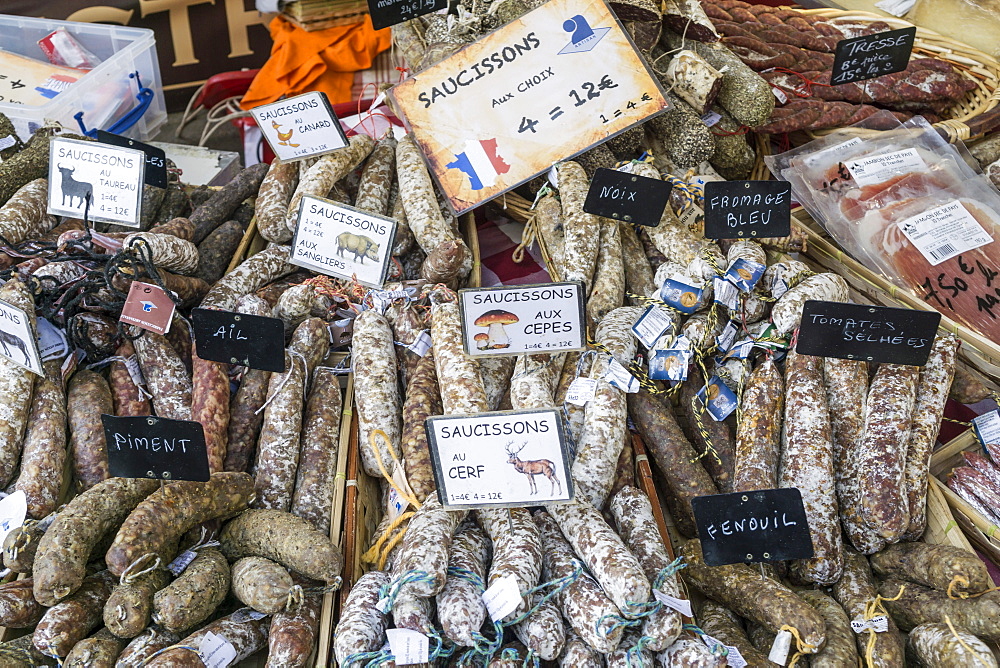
(152,447)
(236,338)
(871,333)
(156,158)
(872,56)
(387,13)
(623,196)
(747,209)
(745,527)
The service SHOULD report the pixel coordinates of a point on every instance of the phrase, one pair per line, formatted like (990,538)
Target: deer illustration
(72,188)
(533,467)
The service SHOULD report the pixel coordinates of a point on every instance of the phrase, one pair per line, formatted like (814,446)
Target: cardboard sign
(17,341)
(149,307)
(628,197)
(109,177)
(156,158)
(236,338)
(872,333)
(541,89)
(508,458)
(387,13)
(765,525)
(871,56)
(512,320)
(339,240)
(152,447)
(301,126)
(735,209)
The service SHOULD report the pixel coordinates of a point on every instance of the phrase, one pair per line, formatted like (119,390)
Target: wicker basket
(972,63)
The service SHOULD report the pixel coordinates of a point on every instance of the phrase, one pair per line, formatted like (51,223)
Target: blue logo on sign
(583,38)
(147,306)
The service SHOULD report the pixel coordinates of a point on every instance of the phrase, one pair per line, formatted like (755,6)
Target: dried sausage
(840,650)
(18,607)
(720,623)
(98,651)
(245,414)
(426,544)
(362,626)
(69,621)
(282,537)
(807,464)
(195,594)
(581,230)
(144,645)
(462,389)
(293,635)
(264,585)
(855,591)
(216,252)
(608,290)
(224,202)
(272,200)
(319,179)
(314,482)
(787,311)
(128,610)
(943,567)
(917,605)
(461,611)
(252,274)
(246,633)
(44,452)
(517,548)
(166,376)
(423,399)
(156,524)
(66,547)
(758,432)
(128,399)
(210,405)
(937,645)
(16,384)
(376,391)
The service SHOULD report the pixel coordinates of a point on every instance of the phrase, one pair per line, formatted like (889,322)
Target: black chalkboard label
(387,13)
(629,197)
(152,447)
(237,338)
(871,333)
(747,209)
(744,527)
(156,158)
(872,56)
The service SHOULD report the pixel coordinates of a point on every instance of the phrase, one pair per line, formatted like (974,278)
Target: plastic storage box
(111,96)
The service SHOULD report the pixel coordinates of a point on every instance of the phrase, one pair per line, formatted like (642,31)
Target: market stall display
(392,467)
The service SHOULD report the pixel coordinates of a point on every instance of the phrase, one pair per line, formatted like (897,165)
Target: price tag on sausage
(504,109)
(987,427)
(236,338)
(154,447)
(651,325)
(13,510)
(408,647)
(387,13)
(744,527)
(339,240)
(300,127)
(735,209)
(103,181)
(506,458)
(17,341)
(871,56)
(542,318)
(149,307)
(156,158)
(502,598)
(215,651)
(681,605)
(628,197)
(873,333)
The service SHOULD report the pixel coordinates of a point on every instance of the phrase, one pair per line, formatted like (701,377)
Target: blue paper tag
(744,274)
(719,400)
(670,364)
(681,296)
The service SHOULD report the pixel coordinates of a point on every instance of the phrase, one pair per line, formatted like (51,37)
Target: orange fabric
(324,60)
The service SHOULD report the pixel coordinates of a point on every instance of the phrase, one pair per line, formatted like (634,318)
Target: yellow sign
(543,88)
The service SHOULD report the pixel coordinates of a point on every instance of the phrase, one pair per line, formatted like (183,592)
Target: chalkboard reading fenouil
(872,56)
(622,196)
(746,527)
(871,333)
(152,447)
(747,209)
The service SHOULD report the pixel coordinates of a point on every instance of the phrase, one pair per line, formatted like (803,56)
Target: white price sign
(108,176)
(339,240)
(300,127)
(542,318)
(17,341)
(545,87)
(507,458)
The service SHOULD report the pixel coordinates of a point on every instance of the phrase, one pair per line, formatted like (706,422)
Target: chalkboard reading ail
(862,332)
(746,209)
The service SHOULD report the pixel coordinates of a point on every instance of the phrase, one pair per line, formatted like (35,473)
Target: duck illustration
(283,137)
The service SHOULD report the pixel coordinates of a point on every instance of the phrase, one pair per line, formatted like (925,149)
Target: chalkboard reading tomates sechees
(742,209)
(507,458)
(871,333)
(871,56)
(629,197)
(744,527)
(152,447)
(236,338)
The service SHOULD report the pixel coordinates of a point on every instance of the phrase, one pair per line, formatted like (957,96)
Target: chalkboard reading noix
(872,56)
(744,527)
(152,447)
(872,333)
(236,338)
(745,209)
(629,197)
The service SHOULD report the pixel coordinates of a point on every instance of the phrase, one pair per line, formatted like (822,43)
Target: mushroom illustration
(481,339)
(495,320)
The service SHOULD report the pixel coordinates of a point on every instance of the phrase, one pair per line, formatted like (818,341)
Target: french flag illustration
(480,163)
